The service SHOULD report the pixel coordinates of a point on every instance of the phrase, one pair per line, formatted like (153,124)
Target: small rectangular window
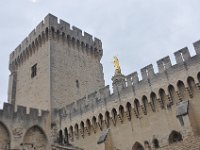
(33,71)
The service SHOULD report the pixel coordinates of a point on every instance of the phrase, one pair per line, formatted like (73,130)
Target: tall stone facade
(67,66)
(58,98)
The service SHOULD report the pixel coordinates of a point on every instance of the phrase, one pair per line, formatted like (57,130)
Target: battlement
(8,112)
(150,81)
(50,28)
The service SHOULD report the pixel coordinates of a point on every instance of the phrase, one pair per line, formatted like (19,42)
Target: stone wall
(68,66)
(143,110)
(23,130)
(75,71)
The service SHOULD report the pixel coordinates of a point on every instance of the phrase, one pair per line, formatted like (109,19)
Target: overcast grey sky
(139,32)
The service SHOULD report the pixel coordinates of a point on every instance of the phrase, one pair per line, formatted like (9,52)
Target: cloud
(137,31)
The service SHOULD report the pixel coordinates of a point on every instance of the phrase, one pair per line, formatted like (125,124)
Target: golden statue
(117,65)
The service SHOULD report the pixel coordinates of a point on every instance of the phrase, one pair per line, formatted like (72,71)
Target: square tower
(55,66)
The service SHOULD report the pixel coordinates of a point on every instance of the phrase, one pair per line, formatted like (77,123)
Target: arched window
(175,137)
(88,125)
(153,101)
(191,84)
(66,139)
(94,121)
(136,106)
(181,89)
(107,114)
(5,137)
(163,97)
(172,92)
(156,143)
(100,120)
(145,104)
(114,114)
(76,130)
(60,139)
(198,77)
(71,132)
(129,110)
(82,127)
(137,146)
(146,145)
(121,111)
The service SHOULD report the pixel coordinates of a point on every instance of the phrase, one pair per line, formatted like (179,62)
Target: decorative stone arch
(36,43)
(181,89)
(198,77)
(121,111)
(129,110)
(107,119)
(47,33)
(137,146)
(66,136)
(82,128)
(94,122)
(5,137)
(163,98)
(137,106)
(76,128)
(35,137)
(153,100)
(114,116)
(33,47)
(191,84)
(30,50)
(60,137)
(40,40)
(100,121)
(43,36)
(89,126)
(172,93)
(155,143)
(71,132)
(175,137)
(145,104)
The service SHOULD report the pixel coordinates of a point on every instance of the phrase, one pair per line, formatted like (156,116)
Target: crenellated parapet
(52,28)
(152,84)
(22,114)
(17,125)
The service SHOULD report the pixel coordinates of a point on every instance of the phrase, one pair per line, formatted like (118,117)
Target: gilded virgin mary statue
(117,65)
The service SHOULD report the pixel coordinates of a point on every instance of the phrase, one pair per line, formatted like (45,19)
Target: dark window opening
(175,137)
(156,143)
(77,83)
(33,71)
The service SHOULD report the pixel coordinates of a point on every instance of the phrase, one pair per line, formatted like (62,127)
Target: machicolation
(50,28)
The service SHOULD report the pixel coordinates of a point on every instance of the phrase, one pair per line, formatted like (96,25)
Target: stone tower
(54,66)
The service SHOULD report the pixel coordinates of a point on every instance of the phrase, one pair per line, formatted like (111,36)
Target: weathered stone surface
(66,102)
